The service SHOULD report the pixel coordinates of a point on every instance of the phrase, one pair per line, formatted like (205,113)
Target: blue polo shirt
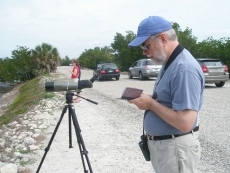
(181,87)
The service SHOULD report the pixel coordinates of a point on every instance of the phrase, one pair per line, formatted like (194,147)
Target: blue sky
(75,25)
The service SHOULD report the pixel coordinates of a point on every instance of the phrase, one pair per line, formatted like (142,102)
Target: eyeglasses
(146,46)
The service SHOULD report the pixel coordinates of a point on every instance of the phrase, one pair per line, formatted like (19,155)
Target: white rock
(17,154)
(2,143)
(35,135)
(28,141)
(22,136)
(9,168)
(33,147)
(8,150)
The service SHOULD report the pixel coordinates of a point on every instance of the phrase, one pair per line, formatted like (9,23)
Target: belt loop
(173,136)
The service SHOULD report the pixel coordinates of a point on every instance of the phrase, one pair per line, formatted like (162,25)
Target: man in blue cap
(171,116)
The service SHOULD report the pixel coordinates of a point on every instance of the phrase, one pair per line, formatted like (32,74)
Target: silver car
(215,71)
(144,69)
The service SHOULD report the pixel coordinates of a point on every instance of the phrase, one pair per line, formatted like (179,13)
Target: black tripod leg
(52,137)
(80,141)
(70,131)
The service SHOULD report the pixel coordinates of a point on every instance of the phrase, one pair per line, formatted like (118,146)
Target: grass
(24,163)
(20,150)
(48,95)
(30,93)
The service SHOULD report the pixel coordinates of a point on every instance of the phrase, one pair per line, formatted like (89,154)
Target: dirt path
(8,98)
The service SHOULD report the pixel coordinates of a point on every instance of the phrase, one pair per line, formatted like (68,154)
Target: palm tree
(46,57)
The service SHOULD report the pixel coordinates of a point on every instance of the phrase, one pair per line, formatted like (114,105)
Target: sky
(72,26)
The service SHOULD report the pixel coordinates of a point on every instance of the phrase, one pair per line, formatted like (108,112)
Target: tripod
(72,115)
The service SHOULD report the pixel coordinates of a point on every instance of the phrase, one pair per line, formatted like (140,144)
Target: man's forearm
(182,120)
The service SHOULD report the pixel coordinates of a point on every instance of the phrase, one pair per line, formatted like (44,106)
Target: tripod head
(69,98)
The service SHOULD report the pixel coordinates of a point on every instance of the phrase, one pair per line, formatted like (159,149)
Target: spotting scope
(56,86)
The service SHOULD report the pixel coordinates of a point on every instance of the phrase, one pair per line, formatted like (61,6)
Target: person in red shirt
(74,71)
(75,77)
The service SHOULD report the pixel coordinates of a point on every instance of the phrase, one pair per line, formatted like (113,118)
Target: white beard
(159,56)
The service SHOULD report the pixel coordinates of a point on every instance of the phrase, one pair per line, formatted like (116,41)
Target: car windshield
(212,63)
(109,66)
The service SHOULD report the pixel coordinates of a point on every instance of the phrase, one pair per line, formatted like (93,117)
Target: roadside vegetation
(26,64)
(30,94)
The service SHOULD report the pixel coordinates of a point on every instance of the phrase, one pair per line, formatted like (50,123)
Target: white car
(215,71)
(144,69)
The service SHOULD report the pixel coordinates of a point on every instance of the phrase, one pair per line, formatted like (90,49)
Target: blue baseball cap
(150,26)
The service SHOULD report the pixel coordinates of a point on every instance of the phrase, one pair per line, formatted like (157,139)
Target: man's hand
(143,102)
(182,120)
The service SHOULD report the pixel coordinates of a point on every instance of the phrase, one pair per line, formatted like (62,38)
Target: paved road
(214,116)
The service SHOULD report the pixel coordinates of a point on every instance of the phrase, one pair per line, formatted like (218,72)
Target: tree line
(25,63)
(124,57)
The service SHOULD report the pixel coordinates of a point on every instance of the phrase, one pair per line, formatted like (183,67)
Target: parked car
(214,70)
(144,69)
(107,70)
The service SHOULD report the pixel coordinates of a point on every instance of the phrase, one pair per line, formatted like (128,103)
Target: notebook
(131,93)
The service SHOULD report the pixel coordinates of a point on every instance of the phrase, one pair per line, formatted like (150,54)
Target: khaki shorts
(175,155)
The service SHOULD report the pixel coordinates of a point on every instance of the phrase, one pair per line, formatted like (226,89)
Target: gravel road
(111,130)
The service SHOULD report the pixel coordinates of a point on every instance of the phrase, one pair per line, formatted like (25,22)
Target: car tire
(130,75)
(141,77)
(221,84)
(117,78)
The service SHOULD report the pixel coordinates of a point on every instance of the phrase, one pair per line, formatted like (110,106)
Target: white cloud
(75,25)
(93,43)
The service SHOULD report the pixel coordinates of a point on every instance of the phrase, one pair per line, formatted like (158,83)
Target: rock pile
(20,138)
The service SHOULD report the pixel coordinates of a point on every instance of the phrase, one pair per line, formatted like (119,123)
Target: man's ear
(163,38)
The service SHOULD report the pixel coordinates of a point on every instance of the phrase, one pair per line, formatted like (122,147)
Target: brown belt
(157,138)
